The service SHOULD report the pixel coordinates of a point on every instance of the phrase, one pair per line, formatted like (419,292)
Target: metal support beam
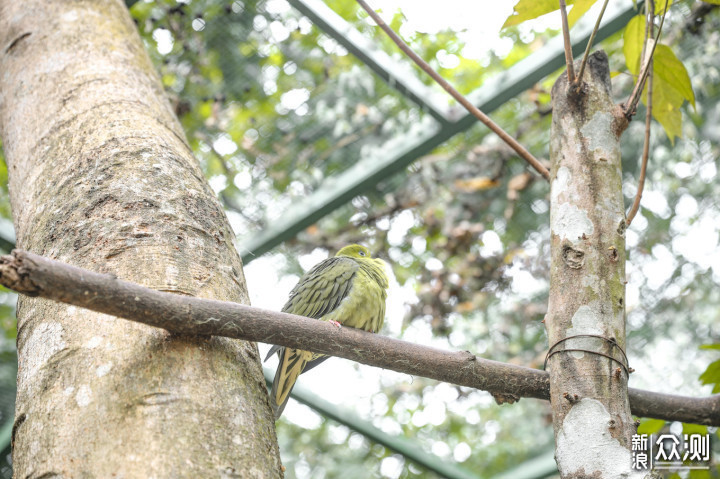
(408,448)
(398,76)
(537,468)
(397,153)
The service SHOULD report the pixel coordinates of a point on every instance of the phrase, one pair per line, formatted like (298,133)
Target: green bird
(348,289)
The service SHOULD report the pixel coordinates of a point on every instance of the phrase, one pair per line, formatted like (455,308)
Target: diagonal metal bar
(401,77)
(536,468)
(402,445)
(427,135)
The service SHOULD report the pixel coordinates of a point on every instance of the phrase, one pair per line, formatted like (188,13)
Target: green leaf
(671,87)
(528,9)
(650,426)
(578,10)
(660,6)
(711,346)
(712,376)
(666,109)
(694,429)
(671,82)
(673,73)
(699,474)
(633,39)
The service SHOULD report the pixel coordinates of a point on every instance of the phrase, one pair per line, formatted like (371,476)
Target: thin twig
(512,142)
(649,22)
(568,45)
(38,276)
(632,101)
(578,80)
(648,120)
(645,155)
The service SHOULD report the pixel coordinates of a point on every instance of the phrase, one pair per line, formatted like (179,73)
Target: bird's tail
(292,363)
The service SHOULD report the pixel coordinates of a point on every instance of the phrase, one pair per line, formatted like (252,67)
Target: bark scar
(18,422)
(14,275)
(573,257)
(17,40)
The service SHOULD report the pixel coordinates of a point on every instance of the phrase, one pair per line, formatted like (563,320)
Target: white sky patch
(293,99)
(164,40)
(279,32)
(447,60)
(708,171)
(524,284)
(419,244)
(243,180)
(433,264)
(267,289)
(391,467)
(303,416)
(655,201)
(198,24)
(440,449)
(491,244)
(699,243)
(660,267)
(399,227)
(462,452)
(686,206)
(224,145)
(218,183)
(684,170)
(478,26)
(307,261)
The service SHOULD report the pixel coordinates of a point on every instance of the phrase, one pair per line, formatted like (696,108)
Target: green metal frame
(536,468)
(402,445)
(403,79)
(400,152)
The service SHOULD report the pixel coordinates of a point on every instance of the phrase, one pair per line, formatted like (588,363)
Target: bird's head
(354,251)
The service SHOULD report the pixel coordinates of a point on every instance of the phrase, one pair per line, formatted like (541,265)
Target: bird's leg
(335,323)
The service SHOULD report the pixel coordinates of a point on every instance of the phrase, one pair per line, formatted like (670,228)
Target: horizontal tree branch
(35,275)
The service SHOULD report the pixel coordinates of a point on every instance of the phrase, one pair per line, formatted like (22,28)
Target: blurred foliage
(274,108)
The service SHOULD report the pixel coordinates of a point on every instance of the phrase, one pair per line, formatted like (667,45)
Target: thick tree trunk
(588,373)
(101,177)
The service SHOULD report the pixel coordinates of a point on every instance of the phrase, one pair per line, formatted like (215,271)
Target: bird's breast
(364,306)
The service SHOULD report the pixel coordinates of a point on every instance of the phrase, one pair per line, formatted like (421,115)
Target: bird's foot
(335,323)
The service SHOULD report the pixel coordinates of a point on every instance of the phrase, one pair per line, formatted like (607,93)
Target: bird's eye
(361,253)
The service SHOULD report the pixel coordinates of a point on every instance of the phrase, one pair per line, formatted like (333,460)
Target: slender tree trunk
(588,386)
(101,177)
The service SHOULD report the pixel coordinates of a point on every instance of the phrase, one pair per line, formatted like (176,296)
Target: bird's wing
(320,290)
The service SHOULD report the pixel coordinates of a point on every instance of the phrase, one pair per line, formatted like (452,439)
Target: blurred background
(316,132)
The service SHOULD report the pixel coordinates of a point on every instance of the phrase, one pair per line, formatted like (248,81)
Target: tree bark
(586,313)
(101,177)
